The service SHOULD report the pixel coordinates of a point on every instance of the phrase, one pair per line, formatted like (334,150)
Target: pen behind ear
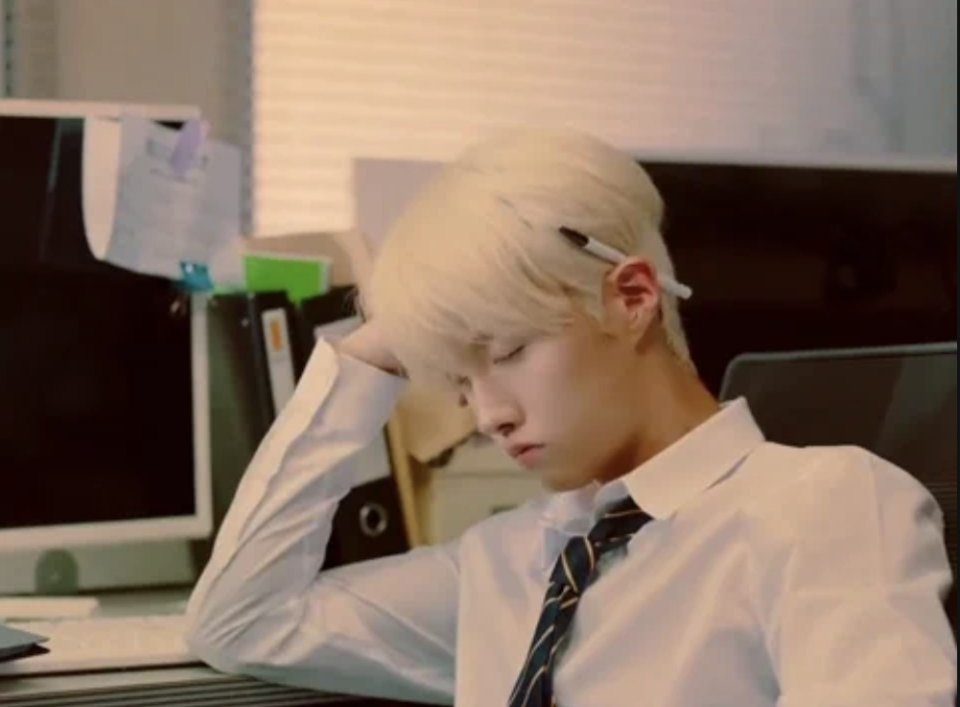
(615,257)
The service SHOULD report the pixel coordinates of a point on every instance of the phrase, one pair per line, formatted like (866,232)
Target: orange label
(276,335)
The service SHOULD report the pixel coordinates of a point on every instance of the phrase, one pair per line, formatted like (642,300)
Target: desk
(191,686)
(176,687)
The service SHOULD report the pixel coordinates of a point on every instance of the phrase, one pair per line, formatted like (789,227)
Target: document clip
(195,277)
(189,143)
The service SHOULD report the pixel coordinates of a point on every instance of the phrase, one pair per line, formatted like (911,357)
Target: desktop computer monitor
(899,402)
(104,416)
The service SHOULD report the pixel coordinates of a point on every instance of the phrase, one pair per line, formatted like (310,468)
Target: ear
(631,297)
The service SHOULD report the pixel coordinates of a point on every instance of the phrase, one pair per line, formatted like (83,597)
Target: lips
(523,451)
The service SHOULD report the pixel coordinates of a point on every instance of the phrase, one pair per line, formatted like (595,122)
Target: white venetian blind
(418,79)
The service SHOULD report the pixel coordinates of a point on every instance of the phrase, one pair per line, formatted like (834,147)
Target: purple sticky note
(191,139)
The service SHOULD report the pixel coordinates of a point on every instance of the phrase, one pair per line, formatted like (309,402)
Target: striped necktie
(571,576)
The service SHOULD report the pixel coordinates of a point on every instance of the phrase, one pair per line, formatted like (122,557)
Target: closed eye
(513,354)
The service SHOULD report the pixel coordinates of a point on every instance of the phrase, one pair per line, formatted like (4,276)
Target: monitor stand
(90,569)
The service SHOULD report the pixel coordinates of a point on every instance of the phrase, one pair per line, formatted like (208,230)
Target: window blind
(339,79)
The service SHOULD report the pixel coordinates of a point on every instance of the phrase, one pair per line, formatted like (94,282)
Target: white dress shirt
(770,577)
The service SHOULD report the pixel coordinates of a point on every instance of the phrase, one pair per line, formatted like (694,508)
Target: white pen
(615,257)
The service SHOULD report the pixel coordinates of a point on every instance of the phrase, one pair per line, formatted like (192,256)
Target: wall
(4,49)
(909,72)
(33,50)
(146,51)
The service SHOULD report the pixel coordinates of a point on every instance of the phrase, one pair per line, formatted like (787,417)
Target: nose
(497,413)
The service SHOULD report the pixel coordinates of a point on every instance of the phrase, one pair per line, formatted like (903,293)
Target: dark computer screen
(787,258)
(96,410)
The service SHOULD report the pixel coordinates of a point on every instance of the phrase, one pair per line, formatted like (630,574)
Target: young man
(678,560)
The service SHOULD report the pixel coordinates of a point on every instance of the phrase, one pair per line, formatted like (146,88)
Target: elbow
(211,653)
(237,639)
(231,653)
(209,645)
(215,637)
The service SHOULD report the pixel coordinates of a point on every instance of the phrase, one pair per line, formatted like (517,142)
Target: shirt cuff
(354,396)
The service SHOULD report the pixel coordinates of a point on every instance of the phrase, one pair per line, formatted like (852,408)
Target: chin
(560,480)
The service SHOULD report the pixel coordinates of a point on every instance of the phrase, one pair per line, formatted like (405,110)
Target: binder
(259,344)
(254,364)
(256,358)
(332,315)
(369,521)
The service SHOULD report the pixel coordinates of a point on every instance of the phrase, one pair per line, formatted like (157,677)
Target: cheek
(579,407)
(572,389)
(603,381)
(602,413)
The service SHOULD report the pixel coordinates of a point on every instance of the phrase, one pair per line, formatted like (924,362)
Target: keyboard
(105,643)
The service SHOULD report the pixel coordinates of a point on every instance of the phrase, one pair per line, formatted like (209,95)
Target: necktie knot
(620,522)
(615,528)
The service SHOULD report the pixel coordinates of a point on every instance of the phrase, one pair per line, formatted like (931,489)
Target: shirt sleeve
(853,571)
(381,628)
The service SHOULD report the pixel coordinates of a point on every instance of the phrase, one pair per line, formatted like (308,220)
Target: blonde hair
(478,254)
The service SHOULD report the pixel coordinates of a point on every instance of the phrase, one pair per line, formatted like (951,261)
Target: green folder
(301,276)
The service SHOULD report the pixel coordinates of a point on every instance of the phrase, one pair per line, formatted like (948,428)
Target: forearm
(273,540)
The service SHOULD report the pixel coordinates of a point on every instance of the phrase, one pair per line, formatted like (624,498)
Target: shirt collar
(660,486)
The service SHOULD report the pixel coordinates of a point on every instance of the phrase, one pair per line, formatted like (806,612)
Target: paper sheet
(143,215)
